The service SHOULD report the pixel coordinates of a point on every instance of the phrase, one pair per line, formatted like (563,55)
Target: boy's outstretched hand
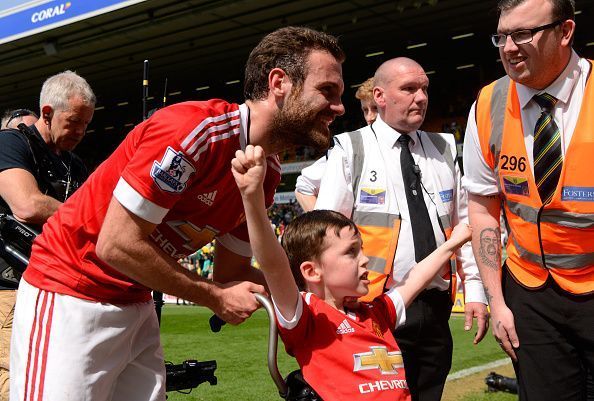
(461,234)
(249,169)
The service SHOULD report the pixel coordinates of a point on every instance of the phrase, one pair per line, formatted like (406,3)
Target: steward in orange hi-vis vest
(556,238)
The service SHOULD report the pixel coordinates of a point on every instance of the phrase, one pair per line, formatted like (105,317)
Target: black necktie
(423,236)
(548,158)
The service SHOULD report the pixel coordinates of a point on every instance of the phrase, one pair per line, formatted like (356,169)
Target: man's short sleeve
(336,191)
(166,158)
(479,178)
(308,183)
(15,151)
(294,331)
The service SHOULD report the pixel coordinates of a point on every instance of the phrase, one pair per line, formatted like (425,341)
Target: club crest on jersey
(172,173)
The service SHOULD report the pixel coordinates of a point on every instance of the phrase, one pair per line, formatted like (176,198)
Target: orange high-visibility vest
(380,230)
(556,238)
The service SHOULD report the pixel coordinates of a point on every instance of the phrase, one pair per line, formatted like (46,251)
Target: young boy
(345,353)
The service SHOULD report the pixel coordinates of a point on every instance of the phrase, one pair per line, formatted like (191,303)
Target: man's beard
(295,124)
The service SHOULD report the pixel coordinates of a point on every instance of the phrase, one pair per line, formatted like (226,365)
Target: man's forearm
(124,244)
(489,264)
(307,202)
(486,244)
(35,210)
(44,207)
(143,262)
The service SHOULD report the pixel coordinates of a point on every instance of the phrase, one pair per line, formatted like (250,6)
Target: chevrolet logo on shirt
(194,237)
(379,358)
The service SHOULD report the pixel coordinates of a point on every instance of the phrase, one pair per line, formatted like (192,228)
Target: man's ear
(311,272)
(378,96)
(278,82)
(47,112)
(568,29)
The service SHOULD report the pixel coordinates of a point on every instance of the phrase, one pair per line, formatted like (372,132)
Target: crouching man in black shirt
(38,172)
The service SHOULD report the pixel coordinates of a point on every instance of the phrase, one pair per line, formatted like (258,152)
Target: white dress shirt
(308,183)
(568,88)
(336,193)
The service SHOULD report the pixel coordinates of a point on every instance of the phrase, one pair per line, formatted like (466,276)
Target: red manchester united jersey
(351,356)
(173,170)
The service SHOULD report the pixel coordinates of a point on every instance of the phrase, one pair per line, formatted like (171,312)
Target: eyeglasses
(19,113)
(522,36)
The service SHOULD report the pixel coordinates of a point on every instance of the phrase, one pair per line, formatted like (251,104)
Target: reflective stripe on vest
(379,241)
(556,238)
(442,147)
(559,217)
(380,230)
(379,233)
(557,261)
(446,226)
(444,220)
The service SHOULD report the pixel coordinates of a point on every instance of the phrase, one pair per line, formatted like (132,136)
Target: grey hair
(59,88)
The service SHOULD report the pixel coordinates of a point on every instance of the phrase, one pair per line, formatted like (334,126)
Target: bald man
(402,188)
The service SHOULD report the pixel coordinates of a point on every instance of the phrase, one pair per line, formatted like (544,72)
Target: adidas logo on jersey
(345,328)
(208,198)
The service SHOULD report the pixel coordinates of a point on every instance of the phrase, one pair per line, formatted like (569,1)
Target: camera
(497,382)
(16,239)
(298,389)
(189,374)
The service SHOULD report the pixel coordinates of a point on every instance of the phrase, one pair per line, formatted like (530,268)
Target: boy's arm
(249,170)
(424,271)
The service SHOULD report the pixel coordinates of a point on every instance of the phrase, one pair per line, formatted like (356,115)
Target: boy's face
(343,264)
(369,109)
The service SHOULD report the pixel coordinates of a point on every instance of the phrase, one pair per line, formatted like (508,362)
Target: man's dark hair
(288,49)
(303,239)
(562,9)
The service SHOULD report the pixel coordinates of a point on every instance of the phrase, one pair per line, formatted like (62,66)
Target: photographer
(38,172)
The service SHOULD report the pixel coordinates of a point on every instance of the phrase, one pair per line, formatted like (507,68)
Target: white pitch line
(467,372)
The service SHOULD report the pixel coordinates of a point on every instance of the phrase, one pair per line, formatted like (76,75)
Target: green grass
(240,352)
(486,396)
(466,354)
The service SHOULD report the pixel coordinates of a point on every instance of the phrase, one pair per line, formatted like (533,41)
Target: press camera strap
(48,167)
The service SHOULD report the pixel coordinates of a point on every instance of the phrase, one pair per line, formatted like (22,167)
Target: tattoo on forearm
(490,247)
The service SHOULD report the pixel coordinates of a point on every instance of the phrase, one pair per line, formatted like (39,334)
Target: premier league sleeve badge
(172,173)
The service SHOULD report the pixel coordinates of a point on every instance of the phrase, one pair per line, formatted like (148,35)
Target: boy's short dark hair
(303,238)
(286,48)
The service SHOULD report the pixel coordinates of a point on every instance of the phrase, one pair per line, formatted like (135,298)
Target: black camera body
(190,374)
(497,382)
(298,389)
(16,240)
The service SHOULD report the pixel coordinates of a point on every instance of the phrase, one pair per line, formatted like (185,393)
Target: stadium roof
(201,46)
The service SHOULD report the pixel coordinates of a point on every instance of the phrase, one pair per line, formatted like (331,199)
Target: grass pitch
(240,352)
